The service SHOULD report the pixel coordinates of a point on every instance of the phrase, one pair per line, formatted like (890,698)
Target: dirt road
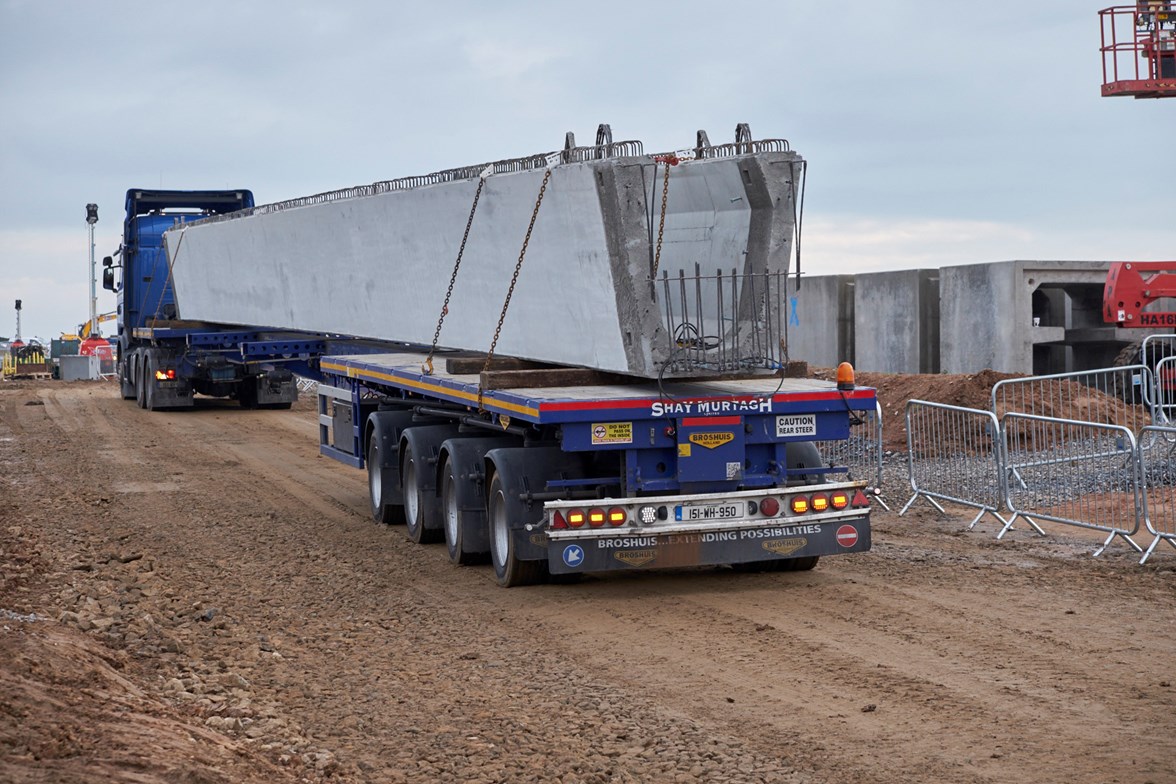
(199,597)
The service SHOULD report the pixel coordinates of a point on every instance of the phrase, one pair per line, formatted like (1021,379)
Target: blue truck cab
(163,361)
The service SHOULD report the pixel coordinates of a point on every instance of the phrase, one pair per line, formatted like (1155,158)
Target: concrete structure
(1035,317)
(902,309)
(820,319)
(1032,317)
(375,261)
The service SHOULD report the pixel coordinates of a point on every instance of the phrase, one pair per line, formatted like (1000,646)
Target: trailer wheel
(451,515)
(417,508)
(509,571)
(799,564)
(379,489)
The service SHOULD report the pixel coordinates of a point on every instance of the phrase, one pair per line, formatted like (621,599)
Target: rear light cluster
(819,502)
(597,517)
(617,516)
(165,375)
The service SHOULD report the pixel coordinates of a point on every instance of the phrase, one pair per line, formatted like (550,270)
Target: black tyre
(247,392)
(380,489)
(420,508)
(149,382)
(778,565)
(799,564)
(126,380)
(509,570)
(453,518)
(139,371)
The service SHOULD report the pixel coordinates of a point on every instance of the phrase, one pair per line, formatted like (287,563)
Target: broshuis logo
(711,440)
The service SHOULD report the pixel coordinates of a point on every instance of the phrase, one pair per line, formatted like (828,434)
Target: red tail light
(596,517)
(799,504)
(769,507)
(820,503)
(839,500)
(617,516)
(577,518)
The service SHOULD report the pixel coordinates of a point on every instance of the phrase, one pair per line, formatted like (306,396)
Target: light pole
(91,219)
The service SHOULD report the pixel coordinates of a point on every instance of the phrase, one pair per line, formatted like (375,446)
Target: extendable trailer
(646,418)
(595,477)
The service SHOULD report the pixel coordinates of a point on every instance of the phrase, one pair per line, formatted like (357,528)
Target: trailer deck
(571,404)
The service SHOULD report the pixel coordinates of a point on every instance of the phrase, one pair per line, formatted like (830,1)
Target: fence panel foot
(1151,548)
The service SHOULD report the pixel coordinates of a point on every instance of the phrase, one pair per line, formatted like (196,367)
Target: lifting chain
(513,280)
(668,160)
(427,368)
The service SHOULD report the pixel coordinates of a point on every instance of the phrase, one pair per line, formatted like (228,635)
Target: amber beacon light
(845,376)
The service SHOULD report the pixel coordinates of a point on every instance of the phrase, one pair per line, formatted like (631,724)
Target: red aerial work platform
(1139,49)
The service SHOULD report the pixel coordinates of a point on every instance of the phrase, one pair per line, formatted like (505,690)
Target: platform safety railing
(953,455)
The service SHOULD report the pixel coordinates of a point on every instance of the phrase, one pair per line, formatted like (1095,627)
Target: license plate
(695,512)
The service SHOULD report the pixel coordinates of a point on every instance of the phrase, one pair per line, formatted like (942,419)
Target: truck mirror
(107,261)
(108,277)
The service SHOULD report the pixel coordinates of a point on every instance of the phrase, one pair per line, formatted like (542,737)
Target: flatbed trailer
(597,477)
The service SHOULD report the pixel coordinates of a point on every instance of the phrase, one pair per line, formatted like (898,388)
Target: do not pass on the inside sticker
(612,433)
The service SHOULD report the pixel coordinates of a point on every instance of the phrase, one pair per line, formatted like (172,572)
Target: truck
(162,362)
(542,469)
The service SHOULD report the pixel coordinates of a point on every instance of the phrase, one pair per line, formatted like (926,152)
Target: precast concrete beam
(376,264)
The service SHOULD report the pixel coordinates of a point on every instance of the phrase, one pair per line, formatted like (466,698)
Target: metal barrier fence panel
(1163,394)
(1158,485)
(1071,472)
(1113,396)
(1154,350)
(953,455)
(861,453)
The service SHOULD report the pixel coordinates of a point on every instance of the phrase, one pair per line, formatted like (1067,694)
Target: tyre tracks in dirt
(938,657)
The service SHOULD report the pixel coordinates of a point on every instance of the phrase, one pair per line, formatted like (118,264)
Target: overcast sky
(936,133)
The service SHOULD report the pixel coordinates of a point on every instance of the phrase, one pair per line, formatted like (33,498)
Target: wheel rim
(501,530)
(375,486)
(411,500)
(451,521)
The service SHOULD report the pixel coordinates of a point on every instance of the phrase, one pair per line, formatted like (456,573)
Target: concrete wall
(897,321)
(820,318)
(1032,317)
(1035,317)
